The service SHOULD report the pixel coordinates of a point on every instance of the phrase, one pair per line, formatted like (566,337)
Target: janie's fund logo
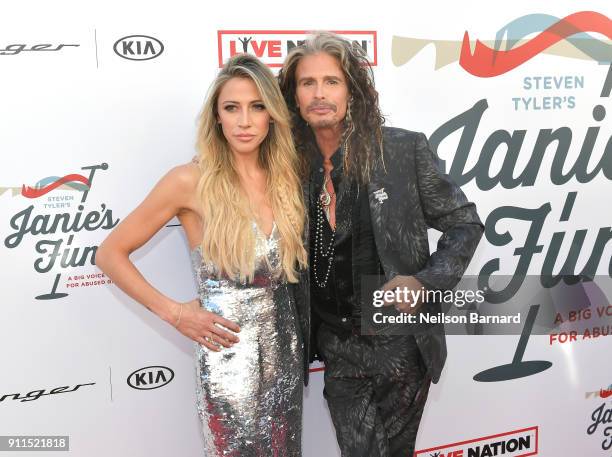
(54,223)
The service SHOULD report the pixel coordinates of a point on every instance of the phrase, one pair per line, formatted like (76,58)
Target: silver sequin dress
(249,396)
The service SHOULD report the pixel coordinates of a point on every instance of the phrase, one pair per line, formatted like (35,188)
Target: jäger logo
(565,37)
(272,46)
(14,49)
(36,394)
(518,443)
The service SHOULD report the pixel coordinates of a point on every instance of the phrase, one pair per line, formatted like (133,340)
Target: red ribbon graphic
(32,192)
(487,62)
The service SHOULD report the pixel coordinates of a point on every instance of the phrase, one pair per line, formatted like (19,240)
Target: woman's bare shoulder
(185,176)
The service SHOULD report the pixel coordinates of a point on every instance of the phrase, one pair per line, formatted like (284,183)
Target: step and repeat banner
(99,100)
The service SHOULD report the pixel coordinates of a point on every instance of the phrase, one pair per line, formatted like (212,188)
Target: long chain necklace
(323,208)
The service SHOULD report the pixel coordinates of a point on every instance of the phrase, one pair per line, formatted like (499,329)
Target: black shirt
(338,302)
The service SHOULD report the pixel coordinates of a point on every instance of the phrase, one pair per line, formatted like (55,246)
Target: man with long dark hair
(372,193)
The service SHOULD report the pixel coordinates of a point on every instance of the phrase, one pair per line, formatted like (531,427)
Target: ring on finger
(211,340)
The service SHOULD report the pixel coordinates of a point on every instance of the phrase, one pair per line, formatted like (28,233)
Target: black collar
(316,165)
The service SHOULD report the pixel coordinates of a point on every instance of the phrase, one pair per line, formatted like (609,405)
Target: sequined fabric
(249,396)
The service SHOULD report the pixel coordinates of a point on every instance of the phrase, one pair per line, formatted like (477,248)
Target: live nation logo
(517,443)
(272,46)
(57,211)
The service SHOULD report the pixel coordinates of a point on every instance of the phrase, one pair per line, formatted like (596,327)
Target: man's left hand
(405,302)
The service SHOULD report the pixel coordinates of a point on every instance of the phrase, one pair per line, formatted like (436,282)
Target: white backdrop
(85,105)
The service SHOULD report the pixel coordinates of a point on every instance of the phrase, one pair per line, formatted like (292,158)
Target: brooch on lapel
(380,195)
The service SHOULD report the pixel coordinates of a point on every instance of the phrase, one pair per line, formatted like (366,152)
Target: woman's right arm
(169,196)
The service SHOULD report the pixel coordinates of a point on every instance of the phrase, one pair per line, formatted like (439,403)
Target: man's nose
(319,92)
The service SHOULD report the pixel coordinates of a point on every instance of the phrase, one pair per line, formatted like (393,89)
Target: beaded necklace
(320,252)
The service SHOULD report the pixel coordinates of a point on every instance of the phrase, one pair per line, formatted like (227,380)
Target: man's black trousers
(376,388)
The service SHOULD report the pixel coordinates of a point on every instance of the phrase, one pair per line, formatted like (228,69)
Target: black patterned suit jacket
(408,194)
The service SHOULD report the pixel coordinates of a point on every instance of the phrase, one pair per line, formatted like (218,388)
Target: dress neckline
(266,237)
(257,229)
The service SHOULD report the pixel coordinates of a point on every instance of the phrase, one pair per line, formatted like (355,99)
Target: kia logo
(148,378)
(138,47)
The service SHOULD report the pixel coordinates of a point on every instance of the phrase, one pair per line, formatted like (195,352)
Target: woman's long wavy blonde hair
(228,238)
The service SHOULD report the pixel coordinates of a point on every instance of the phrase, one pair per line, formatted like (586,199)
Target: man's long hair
(362,134)
(228,238)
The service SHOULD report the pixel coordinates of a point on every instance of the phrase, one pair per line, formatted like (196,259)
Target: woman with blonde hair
(241,206)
